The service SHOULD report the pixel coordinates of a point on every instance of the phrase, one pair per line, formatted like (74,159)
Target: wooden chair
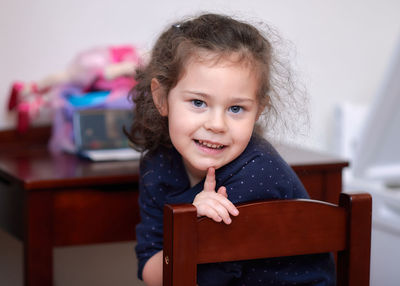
(293,227)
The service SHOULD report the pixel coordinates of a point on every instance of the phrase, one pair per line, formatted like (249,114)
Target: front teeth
(209,145)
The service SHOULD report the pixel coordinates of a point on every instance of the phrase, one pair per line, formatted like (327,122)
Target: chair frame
(293,227)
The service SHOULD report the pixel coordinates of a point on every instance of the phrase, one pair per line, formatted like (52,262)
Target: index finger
(209,183)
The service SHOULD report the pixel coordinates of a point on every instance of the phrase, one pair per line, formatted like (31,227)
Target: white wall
(342,47)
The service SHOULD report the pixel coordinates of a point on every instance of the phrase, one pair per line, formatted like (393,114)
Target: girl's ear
(159,97)
(260,111)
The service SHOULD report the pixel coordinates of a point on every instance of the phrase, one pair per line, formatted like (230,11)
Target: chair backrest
(294,227)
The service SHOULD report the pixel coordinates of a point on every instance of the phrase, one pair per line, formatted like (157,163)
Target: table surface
(37,168)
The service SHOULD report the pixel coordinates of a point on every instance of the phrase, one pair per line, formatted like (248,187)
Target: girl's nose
(216,122)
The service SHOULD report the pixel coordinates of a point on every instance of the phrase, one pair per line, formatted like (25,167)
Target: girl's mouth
(209,144)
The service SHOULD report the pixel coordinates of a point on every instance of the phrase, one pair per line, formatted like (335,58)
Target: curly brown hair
(218,35)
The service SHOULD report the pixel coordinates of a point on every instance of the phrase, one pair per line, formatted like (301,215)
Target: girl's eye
(236,109)
(198,103)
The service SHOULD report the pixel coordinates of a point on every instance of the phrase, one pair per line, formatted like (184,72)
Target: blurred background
(341,51)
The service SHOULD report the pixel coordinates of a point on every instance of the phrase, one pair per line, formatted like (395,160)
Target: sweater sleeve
(149,232)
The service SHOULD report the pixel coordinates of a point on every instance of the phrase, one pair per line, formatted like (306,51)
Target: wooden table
(50,200)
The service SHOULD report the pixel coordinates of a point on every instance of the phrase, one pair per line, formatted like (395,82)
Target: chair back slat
(292,227)
(321,227)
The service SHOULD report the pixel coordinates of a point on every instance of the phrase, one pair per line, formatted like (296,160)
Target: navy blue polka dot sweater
(258,173)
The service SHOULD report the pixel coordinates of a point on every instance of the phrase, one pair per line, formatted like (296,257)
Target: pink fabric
(123,53)
(85,73)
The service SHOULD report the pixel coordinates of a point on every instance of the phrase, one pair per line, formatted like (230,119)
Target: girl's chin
(199,169)
(204,168)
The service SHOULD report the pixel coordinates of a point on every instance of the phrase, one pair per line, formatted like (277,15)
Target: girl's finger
(222,191)
(209,183)
(212,213)
(228,205)
(223,213)
(215,210)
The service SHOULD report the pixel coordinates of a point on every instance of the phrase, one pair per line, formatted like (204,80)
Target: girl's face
(211,114)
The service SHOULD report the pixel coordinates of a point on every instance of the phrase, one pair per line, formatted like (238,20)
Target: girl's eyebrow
(202,94)
(242,100)
(233,99)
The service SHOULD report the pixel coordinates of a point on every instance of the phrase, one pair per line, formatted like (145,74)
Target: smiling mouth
(209,145)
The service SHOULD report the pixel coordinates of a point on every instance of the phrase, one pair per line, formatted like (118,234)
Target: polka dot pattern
(258,173)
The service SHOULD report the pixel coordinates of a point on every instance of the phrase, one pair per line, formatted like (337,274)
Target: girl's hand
(214,205)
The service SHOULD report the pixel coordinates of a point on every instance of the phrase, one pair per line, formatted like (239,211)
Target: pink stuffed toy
(103,68)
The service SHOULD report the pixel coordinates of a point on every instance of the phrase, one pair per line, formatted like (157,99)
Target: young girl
(196,105)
